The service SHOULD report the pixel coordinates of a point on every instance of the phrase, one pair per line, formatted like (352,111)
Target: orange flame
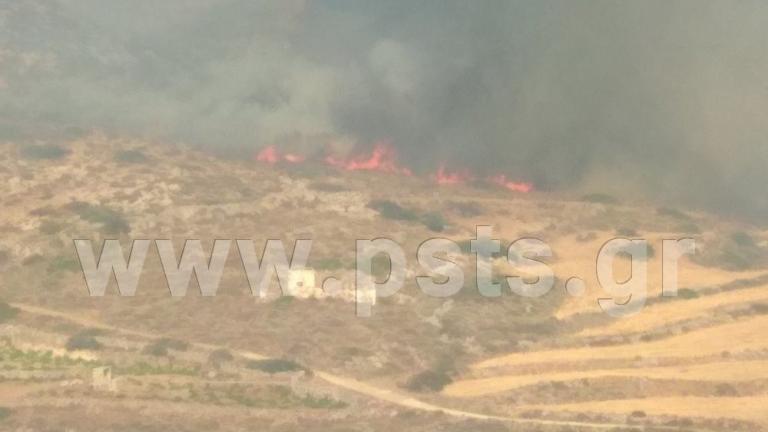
(383,158)
(502,181)
(271,156)
(444,177)
(268,155)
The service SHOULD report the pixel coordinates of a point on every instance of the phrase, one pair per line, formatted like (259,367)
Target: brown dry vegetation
(557,357)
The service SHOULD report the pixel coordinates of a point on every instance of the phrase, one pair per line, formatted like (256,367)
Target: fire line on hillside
(383,159)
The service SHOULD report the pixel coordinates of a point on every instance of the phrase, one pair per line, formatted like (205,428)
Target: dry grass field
(509,363)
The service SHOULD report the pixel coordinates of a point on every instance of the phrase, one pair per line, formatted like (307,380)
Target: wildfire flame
(271,156)
(383,158)
(502,181)
(444,177)
(268,155)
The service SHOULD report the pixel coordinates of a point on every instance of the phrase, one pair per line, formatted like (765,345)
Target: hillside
(695,362)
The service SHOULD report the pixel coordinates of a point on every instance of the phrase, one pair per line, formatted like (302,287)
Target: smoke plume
(664,100)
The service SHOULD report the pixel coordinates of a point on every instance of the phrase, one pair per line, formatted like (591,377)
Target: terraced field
(697,361)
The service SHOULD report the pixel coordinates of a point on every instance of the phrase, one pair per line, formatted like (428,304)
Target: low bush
(273,366)
(49,227)
(84,340)
(220,356)
(626,232)
(43,152)
(466,209)
(392,210)
(112,222)
(687,293)
(428,381)
(328,264)
(130,156)
(7,312)
(743,239)
(64,263)
(322,402)
(434,221)
(739,251)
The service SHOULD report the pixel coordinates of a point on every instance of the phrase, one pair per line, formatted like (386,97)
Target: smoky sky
(665,100)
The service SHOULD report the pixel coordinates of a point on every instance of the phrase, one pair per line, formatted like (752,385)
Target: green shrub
(328,264)
(322,402)
(466,209)
(392,210)
(740,251)
(220,356)
(626,232)
(4,413)
(7,312)
(434,221)
(734,259)
(743,239)
(273,366)
(130,156)
(687,293)
(49,227)
(284,300)
(112,222)
(84,340)
(599,198)
(43,152)
(428,381)
(64,263)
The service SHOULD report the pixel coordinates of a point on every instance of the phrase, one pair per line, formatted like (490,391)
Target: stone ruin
(102,380)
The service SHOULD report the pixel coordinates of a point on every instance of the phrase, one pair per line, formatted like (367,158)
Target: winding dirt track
(350,384)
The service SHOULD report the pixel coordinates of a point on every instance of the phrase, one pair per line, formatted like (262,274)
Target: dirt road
(350,384)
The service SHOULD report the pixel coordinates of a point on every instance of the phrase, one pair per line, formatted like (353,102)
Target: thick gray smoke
(662,99)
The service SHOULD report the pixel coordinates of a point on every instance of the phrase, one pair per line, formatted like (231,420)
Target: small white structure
(101,379)
(302,283)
